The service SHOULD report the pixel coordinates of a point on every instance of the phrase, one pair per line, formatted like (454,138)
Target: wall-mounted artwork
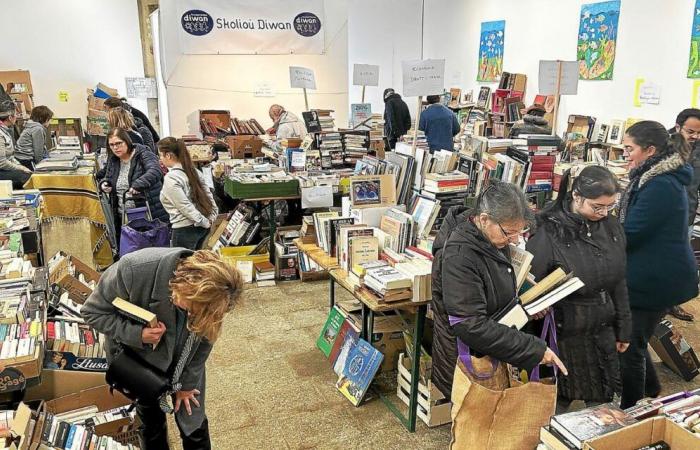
(694,60)
(491,50)
(597,36)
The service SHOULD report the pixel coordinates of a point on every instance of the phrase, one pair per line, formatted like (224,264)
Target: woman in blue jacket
(661,269)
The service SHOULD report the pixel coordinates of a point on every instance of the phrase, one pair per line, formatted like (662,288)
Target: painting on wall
(491,50)
(694,60)
(597,37)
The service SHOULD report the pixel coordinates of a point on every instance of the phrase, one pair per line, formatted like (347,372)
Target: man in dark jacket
(397,118)
(439,124)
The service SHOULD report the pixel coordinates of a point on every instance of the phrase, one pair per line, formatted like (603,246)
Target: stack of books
(14,306)
(446,182)
(19,341)
(243,225)
(424,211)
(356,275)
(538,155)
(421,141)
(400,229)
(388,284)
(264,273)
(13,219)
(73,335)
(355,145)
(417,265)
(75,429)
(15,267)
(325,119)
(573,430)
(57,164)
(247,127)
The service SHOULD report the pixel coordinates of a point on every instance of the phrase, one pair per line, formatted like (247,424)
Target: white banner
(549,74)
(423,77)
(251,27)
(365,75)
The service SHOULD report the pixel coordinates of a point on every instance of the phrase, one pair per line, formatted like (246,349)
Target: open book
(554,287)
(521,260)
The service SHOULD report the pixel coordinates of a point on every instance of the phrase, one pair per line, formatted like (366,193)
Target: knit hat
(7,109)
(387,93)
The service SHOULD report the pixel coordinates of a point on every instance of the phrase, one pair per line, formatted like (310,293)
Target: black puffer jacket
(144,176)
(530,124)
(592,319)
(146,134)
(473,280)
(397,118)
(694,187)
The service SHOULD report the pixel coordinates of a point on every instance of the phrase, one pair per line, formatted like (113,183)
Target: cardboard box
(16,81)
(244,146)
(104,400)
(96,103)
(62,277)
(70,362)
(674,350)
(644,433)
(59,383)
(218,118)
(387,337)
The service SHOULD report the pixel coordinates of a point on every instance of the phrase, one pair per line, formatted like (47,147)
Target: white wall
(72,45)
(227,81)
(653,43)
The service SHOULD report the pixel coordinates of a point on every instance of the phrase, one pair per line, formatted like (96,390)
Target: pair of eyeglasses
(116,144)
(602,209)
(513,235)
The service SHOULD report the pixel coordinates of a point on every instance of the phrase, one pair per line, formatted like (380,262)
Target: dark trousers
(17,177)
(28,163)
(155,431)
(639,377)
(189,237)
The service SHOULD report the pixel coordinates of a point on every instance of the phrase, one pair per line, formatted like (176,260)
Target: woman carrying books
(578,234)
(661,269)
(189,293)
(474,280)
(185,196)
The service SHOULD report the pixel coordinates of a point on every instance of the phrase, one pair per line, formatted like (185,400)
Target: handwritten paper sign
(301,77)
(317,197)
(63,96)
(549,72)
(263,90)
(365,75)
(423,77)
(646,92)
(141,87)
(359,112)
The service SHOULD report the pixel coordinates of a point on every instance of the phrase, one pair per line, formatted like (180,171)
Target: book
(358,371)
(553,440)
(339,355)
(363,249)
(522,261)
(568,287)
(580,426)
(135,312)
(330,331)
(543,286)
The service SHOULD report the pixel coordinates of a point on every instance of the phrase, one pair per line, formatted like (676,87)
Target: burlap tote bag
(491,411)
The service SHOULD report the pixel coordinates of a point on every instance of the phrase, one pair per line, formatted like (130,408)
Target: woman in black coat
(661,269)
(134,169)
(473,280)
(397,118)
(577,234)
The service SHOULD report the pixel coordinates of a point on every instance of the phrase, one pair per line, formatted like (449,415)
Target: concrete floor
(269,387)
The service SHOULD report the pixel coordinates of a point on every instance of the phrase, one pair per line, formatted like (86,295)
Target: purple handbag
(140,231)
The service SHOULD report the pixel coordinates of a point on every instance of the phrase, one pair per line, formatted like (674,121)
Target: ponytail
(678,144)
(198,189)
(647,133)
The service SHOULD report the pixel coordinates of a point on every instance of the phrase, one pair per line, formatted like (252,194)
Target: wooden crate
(433,408)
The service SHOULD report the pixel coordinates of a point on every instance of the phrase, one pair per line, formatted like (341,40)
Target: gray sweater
(31,145)
(142,278)
(7,151)
(177,200)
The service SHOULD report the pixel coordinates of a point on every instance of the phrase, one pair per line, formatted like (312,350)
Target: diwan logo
(197,22)
(307,24)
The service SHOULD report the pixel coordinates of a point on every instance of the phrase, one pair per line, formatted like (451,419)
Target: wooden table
(371,306)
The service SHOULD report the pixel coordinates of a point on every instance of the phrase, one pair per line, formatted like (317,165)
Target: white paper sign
(317,197)
(650,93)
(365,75)
(301,77)
(423,77)
(232,27)
(549,72)
(141,87)
(359,112)
(263,90)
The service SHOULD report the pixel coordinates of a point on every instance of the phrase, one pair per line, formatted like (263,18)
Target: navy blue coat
(661,268)
(144,175)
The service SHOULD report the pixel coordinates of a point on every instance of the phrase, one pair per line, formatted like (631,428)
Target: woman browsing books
(661,269)
(473,280)
(578,234)
(189,293)
(185,196)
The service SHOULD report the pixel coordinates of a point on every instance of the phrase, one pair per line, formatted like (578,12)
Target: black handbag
(136,379)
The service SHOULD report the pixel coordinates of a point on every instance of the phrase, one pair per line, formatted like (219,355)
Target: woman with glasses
(661,269)
(474,280)
(578,234)
(134,170)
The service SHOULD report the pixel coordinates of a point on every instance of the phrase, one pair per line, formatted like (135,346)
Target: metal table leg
(415,367)
(366,311)
(331,291)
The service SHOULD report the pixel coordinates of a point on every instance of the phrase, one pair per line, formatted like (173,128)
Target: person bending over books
(189,293)
(185,196)
(661,269)
(578,234)
(31,145)
(474,280)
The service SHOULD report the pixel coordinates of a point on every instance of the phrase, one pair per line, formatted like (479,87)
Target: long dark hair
(177,148)
(647,133)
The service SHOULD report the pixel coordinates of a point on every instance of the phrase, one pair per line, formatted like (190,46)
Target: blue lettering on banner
(307,24)
(197,22)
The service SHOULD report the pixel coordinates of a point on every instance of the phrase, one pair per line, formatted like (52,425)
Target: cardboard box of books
(97,400)
(73,276)
(244,146)
(647,432)
(59,383)
(73,345)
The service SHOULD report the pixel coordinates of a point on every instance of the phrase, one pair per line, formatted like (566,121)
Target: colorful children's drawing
(694,60)
(491,50)
(597,36)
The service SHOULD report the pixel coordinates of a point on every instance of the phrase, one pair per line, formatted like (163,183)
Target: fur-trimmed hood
(674,165)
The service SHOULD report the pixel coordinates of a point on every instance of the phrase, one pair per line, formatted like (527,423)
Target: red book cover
(50,330)
(543,159)
(448,183)
(542,167)
(548,175)
(89,339)
(345,329)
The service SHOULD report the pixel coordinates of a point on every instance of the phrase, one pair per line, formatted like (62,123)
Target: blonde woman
(121,118)
(190,293)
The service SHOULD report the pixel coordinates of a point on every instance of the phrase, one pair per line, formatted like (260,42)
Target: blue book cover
(359,370)
(71,436)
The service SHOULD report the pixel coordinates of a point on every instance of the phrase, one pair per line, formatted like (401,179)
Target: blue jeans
(189,237)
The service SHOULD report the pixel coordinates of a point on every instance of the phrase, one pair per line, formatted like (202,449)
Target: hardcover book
(330,331)
(359,369)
